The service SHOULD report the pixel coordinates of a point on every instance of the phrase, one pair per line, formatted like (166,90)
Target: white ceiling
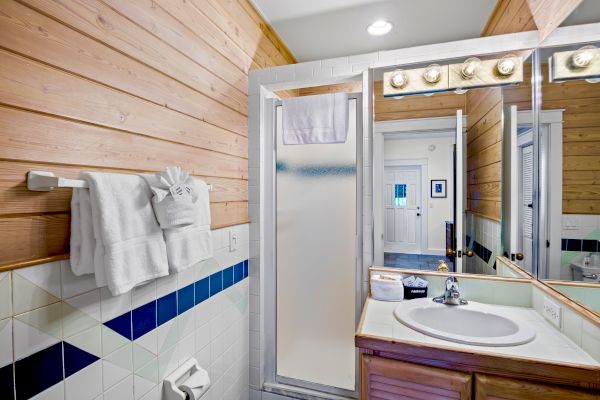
(318,29)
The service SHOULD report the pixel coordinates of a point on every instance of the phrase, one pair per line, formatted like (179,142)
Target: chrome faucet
(451,295)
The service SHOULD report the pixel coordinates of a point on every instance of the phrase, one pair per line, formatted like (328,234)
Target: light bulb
(506,65)
(583,57)
(379,28)
(399,79)
(432,74)
(469,67)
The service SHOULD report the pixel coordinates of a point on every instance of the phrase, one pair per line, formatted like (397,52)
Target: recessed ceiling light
(379,28)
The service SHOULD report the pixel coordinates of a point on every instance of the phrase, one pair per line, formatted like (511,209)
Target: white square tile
(143,294)
(73,285)
(165,285)
(35,287)
(36,330)
(5,295)
(56,392)
(121,391)
(113,306)
(85,384)
(6,342)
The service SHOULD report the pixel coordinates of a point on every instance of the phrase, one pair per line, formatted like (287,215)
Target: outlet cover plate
(233,241)
(552,312)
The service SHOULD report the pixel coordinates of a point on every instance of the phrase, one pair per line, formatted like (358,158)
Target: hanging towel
(315,119)
(189,243)
(129,247)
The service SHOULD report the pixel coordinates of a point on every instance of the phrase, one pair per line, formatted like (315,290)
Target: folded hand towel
(172,201)
(315,119)
(186,244)
(129,247)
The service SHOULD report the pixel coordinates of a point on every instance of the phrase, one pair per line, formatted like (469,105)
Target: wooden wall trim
(123,86)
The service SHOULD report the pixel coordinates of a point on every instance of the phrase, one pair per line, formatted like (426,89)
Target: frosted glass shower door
(316,266)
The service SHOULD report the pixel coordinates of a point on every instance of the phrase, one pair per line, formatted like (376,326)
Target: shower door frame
(272,381)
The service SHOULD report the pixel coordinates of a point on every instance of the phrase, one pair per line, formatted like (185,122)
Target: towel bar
(44,181)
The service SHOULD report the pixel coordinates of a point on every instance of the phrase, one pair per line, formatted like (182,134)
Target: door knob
(418,214)
(469,253)
(519,256)
(450,252)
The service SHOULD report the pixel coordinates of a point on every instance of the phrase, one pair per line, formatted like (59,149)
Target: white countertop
(549,344)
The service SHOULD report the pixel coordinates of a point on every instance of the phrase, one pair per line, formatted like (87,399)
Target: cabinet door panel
(496,388)
(386,379)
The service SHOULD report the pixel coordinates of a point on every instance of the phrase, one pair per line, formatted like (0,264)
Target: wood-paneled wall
(125,86)
(390,109)
(580,101)
(484,152)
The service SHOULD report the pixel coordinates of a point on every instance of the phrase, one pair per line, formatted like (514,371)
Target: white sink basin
(474,323)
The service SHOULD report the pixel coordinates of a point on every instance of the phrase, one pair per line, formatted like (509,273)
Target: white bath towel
(315,119)
(129,247)
(190,244)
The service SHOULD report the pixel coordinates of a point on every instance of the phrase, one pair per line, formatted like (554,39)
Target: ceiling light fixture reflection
(379,28)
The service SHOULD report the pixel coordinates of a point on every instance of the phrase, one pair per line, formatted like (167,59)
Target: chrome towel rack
(44,181)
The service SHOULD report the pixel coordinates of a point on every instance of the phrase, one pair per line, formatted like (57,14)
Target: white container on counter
(387,287)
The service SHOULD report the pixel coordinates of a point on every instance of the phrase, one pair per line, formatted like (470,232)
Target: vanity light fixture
(379,28)
(583,57)
(469,68)
(506,65)
(432,74)
(399,79)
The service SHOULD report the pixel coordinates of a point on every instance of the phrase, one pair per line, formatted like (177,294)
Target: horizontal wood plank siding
(484,152)
(124,86)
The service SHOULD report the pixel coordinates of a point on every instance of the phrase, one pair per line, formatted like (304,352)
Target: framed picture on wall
(438,188)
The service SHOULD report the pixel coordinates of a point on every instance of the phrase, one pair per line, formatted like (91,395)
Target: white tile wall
(53,305)
(486,232)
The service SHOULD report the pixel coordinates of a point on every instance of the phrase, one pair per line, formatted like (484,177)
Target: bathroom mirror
(570,153)
(451,148)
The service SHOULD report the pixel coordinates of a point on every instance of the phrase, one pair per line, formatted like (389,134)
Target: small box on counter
(414,288)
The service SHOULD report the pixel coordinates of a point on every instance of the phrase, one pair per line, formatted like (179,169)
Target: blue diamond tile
(216,283)
(143,319)
(39,371)
(227,277)
(121,325)
(7,384)
(166,308)
(76,359)
(185,298)
(202,290)
(246,269)
(238,272)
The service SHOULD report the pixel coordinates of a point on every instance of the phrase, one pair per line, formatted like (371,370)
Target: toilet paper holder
(189,381)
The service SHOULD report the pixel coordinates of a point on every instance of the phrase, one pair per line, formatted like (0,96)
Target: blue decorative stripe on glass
(76,359)
(202,290)
(143,319)
(166,308)
(185,298)
(39,371)
(317,170)
(246,269)
(216,283)
(121,325)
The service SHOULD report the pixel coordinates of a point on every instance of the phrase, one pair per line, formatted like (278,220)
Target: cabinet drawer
(385,379)
(489,387)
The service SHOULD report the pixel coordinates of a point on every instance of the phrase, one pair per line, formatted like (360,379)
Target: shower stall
(312,281)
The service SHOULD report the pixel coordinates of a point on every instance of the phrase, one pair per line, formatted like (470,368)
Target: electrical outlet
(233,241)
(552,312)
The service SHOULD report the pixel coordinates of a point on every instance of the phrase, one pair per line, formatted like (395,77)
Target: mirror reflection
(448,165)
(570,150)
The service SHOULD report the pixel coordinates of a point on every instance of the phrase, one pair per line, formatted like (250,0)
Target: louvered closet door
(526,206)
(386,379)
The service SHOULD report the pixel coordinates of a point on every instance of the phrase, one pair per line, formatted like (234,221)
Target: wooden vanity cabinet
(386,379)
(390,379)
(497,388)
